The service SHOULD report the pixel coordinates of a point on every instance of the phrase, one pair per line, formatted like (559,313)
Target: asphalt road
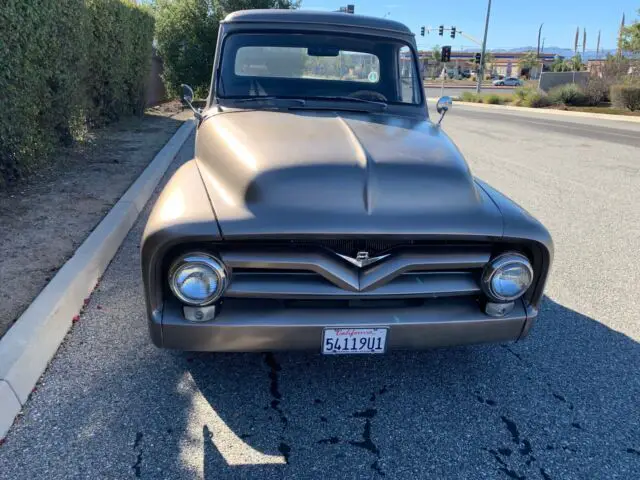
(434,90)
(561,405)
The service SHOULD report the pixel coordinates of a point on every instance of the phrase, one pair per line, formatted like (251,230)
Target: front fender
(519,226)
(182,214)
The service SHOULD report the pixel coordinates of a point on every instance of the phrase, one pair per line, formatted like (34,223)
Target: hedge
(66,65)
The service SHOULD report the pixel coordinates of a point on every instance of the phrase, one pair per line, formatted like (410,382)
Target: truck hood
(288,174)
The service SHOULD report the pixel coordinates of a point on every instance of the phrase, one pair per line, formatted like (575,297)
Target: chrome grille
(316,273)
(351,247)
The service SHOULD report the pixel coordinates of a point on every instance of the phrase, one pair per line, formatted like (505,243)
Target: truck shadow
(566,393)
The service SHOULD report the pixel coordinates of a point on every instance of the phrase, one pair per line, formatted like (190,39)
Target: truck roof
(313,17)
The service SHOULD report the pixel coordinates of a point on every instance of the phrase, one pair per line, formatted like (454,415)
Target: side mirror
(187,94)
(187,97)
(443,106)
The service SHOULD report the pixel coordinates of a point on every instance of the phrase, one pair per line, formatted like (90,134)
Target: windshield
(318,66)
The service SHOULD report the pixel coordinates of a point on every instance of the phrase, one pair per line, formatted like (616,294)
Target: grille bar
(271,272)
(309,287)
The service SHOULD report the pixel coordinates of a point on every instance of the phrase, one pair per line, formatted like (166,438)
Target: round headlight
(197,278)
(507,277)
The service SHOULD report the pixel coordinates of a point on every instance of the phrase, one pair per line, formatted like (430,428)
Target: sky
(512,23)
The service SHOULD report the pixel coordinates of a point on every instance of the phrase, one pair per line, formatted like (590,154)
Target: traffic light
(445,55)
(422,31)
(351,8)
(441,30)
(478,58)
(453,32)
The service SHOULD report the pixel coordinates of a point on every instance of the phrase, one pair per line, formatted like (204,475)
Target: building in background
(502,64)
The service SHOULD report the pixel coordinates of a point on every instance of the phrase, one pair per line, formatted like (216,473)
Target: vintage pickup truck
(325,211)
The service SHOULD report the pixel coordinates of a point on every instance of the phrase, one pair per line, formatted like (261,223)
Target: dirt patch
(45,219)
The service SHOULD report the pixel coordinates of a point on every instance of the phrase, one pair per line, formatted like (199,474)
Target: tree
(488,59)
(630,37)
(187,32)
(228,6)
(529,61)
(559,65)
(436,53)
(576,63)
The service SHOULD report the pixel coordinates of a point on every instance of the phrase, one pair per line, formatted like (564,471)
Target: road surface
(452,91)
(561,405)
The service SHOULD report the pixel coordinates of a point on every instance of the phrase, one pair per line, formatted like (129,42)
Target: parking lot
(562,404)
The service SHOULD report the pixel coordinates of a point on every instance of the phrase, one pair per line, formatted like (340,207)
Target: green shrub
(470,97)
(536,99)
(118,58)
(626,96)
(521,93)
(66,63)
(568,94)
(187,32)
(494,99)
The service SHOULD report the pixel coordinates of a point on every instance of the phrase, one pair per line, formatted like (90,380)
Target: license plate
(341,341)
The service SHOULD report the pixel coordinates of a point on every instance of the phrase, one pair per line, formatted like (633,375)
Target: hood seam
(367,162)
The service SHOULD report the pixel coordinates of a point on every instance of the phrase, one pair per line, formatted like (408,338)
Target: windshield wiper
(381,104)
(267,98)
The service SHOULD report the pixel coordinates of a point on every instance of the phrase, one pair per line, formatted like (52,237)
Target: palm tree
(576,62)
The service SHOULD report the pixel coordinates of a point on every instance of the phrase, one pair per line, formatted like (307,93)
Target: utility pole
(484,48)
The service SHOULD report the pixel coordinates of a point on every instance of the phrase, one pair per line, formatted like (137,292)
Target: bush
(470,97)
(626,96)
(187,32)
(118,58)
(66,64)
(568,94)
(521,93)
(494,99)
(536,99)
(596,91)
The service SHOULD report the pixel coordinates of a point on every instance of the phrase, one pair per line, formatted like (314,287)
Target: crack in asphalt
(544,474)
(330,440)
(137,466)
(367,442)
(274,388)
(488,401)
(524,448)
(513,429)
(504,467)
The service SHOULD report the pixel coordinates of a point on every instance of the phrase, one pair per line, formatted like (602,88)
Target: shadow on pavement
(558,405)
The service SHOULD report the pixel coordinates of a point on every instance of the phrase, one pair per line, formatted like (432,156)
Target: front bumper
(258,326)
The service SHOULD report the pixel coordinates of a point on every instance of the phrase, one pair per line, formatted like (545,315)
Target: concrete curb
(29,345)
(549,111)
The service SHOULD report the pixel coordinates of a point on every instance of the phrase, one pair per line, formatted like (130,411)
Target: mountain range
(563,52)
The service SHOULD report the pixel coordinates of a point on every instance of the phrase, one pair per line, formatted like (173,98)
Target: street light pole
(484,48)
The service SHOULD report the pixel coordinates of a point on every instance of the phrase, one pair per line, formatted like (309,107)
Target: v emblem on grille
(362,259)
